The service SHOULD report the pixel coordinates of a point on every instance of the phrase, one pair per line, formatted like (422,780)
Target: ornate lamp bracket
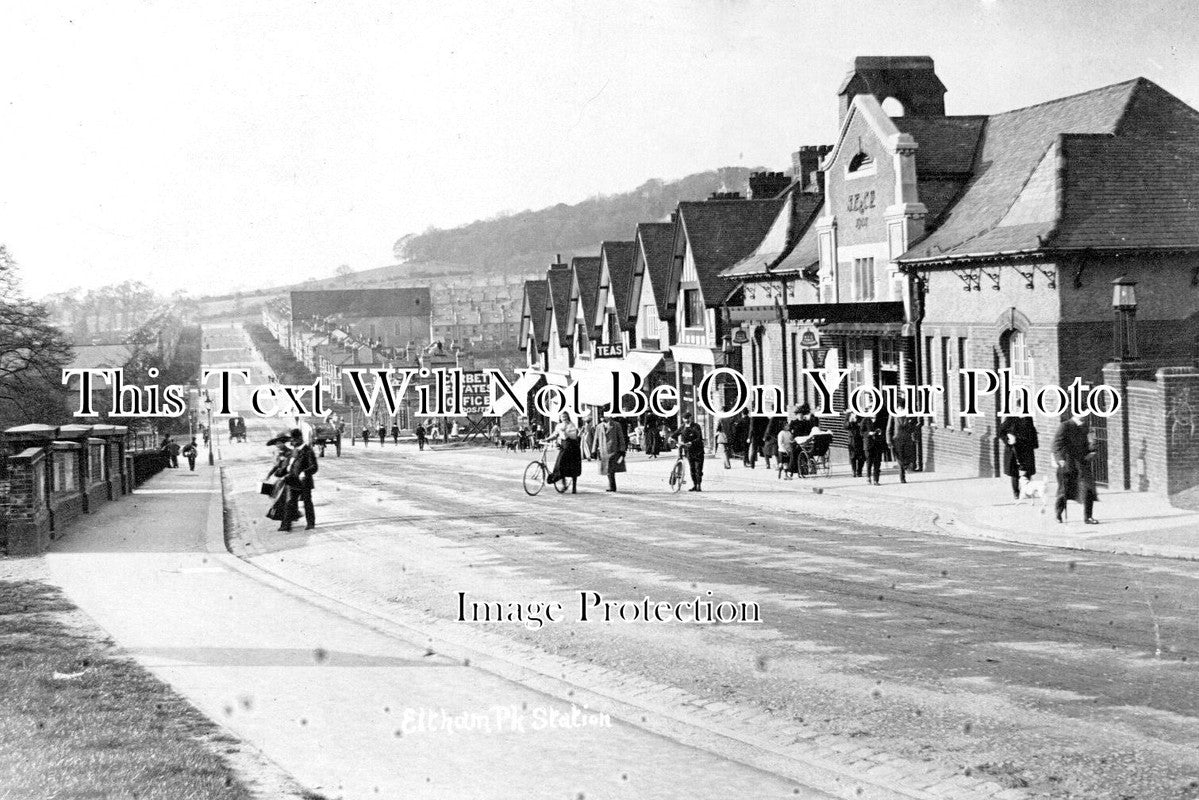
(1051,274)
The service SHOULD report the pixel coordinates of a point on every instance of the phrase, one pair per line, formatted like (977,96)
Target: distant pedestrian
(691,438)
(1020,443)
(757,441)
(875,439)
(726,434)
(382,434)
(613,444)
(784,445)
(395,433)
(206,434)
(189,452)
(282,509)
(172,452)
(902,431)
(1073,453)
(497,434)
(366,435)
(653,437)
(856,445)
(420,436)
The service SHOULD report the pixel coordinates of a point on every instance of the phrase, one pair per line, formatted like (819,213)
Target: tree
(32,354)
(344,272)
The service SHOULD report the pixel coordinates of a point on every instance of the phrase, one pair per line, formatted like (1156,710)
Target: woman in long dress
(570,454)
(283,508)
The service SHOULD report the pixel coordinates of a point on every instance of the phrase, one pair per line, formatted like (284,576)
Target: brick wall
(1160,421)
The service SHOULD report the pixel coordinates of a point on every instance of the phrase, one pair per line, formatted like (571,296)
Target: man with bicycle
(691,438)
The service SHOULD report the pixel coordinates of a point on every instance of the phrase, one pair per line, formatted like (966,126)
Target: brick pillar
(27,510)
(1180,389)
(1119,465)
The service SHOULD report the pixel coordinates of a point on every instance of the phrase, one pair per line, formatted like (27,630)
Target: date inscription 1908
(862,203)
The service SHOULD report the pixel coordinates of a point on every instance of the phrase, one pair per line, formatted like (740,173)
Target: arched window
(1020,358)
(860,161)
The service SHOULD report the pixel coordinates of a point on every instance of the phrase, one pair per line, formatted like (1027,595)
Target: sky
(216,145)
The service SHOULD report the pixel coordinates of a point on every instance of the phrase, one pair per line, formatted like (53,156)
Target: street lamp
(1124,303)
(211,433)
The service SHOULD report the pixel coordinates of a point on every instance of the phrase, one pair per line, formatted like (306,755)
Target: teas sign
(809,337)
(476,392)
(609,351)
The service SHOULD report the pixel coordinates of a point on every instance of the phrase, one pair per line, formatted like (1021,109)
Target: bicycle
(678,471)
(537,475)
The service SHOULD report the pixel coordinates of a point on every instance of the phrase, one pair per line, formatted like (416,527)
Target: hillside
(518,244)
(528,241)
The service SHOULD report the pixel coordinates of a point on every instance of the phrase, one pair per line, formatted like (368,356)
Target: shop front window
(855,363)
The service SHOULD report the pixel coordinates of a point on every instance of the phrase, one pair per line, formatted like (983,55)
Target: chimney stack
(805,164)
(911,80)
(726,196)
(766,185)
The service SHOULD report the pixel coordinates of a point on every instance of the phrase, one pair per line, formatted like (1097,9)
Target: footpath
(344,703)
(1131,523)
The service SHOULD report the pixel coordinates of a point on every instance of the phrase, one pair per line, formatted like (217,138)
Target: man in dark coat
(382,434)
(1072,451)
(299,478)
(395,433)
(366,435)
(1019,437)
(691,436)
(875,439)
(613,443)
(420,435)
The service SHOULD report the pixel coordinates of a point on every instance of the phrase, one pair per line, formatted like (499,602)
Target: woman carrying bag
(284,508)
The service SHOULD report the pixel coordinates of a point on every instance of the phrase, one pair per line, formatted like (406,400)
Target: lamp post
(211,434)
(1124,303)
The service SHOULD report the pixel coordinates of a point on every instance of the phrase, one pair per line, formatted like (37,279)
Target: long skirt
(570,460)
(284,508)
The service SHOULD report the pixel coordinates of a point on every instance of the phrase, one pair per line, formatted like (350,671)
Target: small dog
(1032,490)
(511,445)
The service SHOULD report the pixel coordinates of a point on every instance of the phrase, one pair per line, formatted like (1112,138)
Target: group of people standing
(871,437)
(608,438)
(608,443)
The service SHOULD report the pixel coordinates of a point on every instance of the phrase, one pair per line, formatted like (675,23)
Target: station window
(693,309)
(863,276)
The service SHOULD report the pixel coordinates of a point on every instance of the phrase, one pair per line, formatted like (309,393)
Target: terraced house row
(1059,240)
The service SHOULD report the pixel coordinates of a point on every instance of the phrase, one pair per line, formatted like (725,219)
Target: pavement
(1131,523)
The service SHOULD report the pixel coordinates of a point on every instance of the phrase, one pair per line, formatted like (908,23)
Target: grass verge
(78,720)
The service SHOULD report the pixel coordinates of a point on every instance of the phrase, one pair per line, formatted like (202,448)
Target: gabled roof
(557,281)
(947,144)
(586,271)
(721,233)
(1128,193)
(656,242)
(1018,197)
(535,303)
(801,210)
(618,256)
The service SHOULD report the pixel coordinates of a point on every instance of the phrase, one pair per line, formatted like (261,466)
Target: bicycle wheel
(534,478)
(562,485)
(676,477)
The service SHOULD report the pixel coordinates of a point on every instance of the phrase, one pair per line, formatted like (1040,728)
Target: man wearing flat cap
(299,478)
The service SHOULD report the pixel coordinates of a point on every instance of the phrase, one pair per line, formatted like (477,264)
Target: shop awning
(693,354)
(594,379)
(524,384)
(823,313)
